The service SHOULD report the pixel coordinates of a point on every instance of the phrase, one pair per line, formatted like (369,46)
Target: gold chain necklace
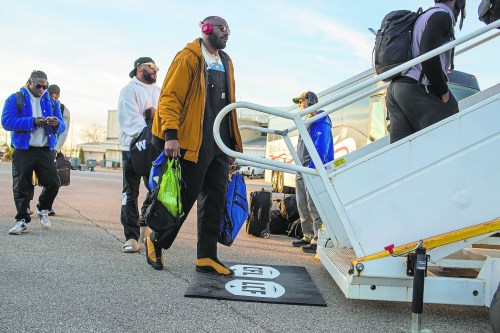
(215,58)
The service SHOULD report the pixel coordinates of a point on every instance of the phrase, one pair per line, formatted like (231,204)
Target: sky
(279,48)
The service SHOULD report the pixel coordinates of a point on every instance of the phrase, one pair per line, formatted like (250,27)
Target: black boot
(153,252)
(311,248)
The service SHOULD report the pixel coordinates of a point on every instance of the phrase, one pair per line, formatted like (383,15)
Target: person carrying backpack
(420,96)
(35,125)
(55,92)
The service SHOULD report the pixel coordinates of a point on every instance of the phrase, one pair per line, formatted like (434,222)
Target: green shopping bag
(169,193)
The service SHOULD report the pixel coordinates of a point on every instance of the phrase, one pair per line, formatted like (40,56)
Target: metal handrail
(255,164)
(369,72)
(297,117)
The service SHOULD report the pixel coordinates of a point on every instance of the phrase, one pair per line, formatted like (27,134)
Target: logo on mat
(255,288)
(253,271)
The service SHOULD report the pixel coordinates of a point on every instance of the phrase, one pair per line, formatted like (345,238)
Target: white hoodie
(134,99)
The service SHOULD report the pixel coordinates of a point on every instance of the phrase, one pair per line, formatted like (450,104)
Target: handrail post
(418,268)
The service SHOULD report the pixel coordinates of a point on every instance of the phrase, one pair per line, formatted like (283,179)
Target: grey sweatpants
(309,217)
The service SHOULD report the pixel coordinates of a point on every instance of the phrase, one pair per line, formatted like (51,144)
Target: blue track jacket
(22,124)
(321,134)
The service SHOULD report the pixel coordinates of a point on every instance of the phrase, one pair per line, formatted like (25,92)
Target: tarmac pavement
(74,277)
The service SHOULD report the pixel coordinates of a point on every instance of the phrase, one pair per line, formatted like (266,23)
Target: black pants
(206,181)
(129,215)
(24,162)
(411,108)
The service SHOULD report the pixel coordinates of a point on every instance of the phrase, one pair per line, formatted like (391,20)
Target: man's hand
(172,148)
(52,121)
(153,111)
(446,97)
(40,122)
(232,165)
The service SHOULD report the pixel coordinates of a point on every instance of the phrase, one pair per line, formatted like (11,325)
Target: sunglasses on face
(40,86)
(152,66)
(224,28)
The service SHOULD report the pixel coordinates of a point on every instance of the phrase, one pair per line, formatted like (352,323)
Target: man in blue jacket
(321,134)
(35,120)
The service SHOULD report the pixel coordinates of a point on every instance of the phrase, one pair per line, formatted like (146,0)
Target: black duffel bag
(63,169)
(142,150)
(278,224)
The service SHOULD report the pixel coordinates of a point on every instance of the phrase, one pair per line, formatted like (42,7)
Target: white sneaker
(19,228)
(44,218)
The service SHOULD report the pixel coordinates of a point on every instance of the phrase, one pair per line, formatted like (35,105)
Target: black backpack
(393,40)
(288,208)
(295,230)
(488,11)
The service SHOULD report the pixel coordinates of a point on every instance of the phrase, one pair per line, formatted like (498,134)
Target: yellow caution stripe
(440,240)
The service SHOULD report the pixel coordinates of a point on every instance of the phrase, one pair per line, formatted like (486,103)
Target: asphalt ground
(74,278)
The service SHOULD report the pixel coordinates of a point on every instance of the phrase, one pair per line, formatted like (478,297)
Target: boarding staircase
(438,188)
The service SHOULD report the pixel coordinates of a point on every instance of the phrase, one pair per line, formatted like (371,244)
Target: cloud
(310,21)
(279,48)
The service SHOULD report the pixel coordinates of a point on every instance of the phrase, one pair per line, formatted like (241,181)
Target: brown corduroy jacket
(182,102)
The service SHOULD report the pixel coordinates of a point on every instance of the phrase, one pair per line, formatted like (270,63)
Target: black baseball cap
(140,61)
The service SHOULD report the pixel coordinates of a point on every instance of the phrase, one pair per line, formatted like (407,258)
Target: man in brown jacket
(199,83)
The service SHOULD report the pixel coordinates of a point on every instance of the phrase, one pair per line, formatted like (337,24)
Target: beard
(216,42)
(148,76)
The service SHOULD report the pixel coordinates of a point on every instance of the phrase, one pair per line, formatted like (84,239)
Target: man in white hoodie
(137,103)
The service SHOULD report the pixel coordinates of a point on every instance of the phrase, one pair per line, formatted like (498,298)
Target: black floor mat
(258,283)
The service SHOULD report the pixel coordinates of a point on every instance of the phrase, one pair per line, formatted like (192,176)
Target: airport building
(108,153)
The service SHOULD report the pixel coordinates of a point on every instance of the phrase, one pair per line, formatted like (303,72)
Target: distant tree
(8,154)
(81,156)
(93,133)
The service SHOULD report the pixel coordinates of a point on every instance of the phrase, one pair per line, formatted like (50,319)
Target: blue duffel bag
(236,210)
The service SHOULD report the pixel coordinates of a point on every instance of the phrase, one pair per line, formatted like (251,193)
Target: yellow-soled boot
(153,254)
(208,265)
